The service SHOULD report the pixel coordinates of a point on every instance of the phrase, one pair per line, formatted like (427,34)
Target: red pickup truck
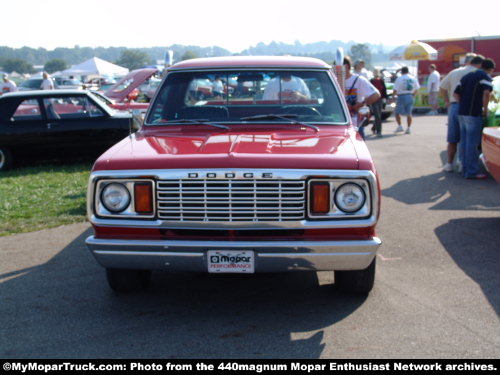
(272,178)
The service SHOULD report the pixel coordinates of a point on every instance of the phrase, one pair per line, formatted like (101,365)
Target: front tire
(358,281)
(126,281)
(5,159)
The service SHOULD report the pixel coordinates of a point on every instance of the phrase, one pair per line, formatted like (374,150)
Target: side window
(28,110)
(70,107)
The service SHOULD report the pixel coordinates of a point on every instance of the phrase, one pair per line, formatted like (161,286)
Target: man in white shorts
(433,82)
(405,88)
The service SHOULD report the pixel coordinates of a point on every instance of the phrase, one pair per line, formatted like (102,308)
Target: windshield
(103,101)
(310,96)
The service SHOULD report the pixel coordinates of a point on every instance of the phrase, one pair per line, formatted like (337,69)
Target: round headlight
(350,197)
(115,197)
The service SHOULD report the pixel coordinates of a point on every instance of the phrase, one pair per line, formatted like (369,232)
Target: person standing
(405,88)
(359,92)
(378,82)
(433,88)
(7,85)
(47,83)
(218,88)
(447,89)
(359,68)
(473,94)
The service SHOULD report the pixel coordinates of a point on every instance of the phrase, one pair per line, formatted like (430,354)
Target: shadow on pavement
(476,251)
(64,308)
(449,191)
(372,137)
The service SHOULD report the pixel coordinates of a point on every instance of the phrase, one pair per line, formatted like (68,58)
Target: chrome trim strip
(148,253)
(147,246)
(277,174)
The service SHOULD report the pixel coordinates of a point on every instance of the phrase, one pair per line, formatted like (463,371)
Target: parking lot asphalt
(437,291)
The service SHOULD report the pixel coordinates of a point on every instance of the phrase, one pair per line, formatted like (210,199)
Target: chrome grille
(231,200)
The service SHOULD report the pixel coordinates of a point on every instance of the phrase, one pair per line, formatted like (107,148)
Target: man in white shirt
(7,85)
(405,88)
(359,69)
(433,88)
(47,83)
(289,88)
(448,86)
(359,92)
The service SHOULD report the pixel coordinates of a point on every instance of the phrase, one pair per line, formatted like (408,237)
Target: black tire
(126,281)
(5,159)
(386,115)
(357,282)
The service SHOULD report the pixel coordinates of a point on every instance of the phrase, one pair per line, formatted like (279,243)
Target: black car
(57,123)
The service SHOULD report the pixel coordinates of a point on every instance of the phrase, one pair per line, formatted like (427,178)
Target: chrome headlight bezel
(336,212)
(100,209)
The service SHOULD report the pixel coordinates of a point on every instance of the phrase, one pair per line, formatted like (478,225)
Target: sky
(236,24)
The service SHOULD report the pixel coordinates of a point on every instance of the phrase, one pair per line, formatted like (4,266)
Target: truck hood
(263,146)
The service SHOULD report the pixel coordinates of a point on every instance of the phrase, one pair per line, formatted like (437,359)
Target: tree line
(23,59)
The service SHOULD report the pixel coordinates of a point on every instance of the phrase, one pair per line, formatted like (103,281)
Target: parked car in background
(127,88)
(275,178)
(103,83)
(389,105)
(68,83)
(149,87)
(33,84)
(123,106)
(57,123)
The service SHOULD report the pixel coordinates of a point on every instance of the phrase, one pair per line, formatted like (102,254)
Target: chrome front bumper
(270,256)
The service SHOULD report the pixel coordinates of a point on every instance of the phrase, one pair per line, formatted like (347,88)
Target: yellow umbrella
(419,51)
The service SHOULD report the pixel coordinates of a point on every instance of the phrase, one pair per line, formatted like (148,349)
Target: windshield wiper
(285,116)
(196,121)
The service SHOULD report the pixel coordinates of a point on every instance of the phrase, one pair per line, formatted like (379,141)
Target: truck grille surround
(231,200)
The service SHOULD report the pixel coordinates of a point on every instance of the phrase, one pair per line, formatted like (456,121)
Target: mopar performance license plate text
(230,261)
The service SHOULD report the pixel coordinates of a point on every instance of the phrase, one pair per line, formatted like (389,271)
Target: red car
(272,179)
(122,94)
(491,151)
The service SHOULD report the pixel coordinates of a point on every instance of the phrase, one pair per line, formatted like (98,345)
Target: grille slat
(231,200)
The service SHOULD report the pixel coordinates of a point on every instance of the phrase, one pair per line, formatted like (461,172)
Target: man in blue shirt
(473,94)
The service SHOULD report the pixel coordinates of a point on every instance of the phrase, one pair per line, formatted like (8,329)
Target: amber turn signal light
(320,197)
(143,197)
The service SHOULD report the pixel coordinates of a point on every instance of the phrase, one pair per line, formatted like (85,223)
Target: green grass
(46,196)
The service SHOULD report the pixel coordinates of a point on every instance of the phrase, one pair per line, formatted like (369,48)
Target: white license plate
(230,261)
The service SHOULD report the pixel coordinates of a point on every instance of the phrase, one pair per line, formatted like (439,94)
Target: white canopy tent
(95,66)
